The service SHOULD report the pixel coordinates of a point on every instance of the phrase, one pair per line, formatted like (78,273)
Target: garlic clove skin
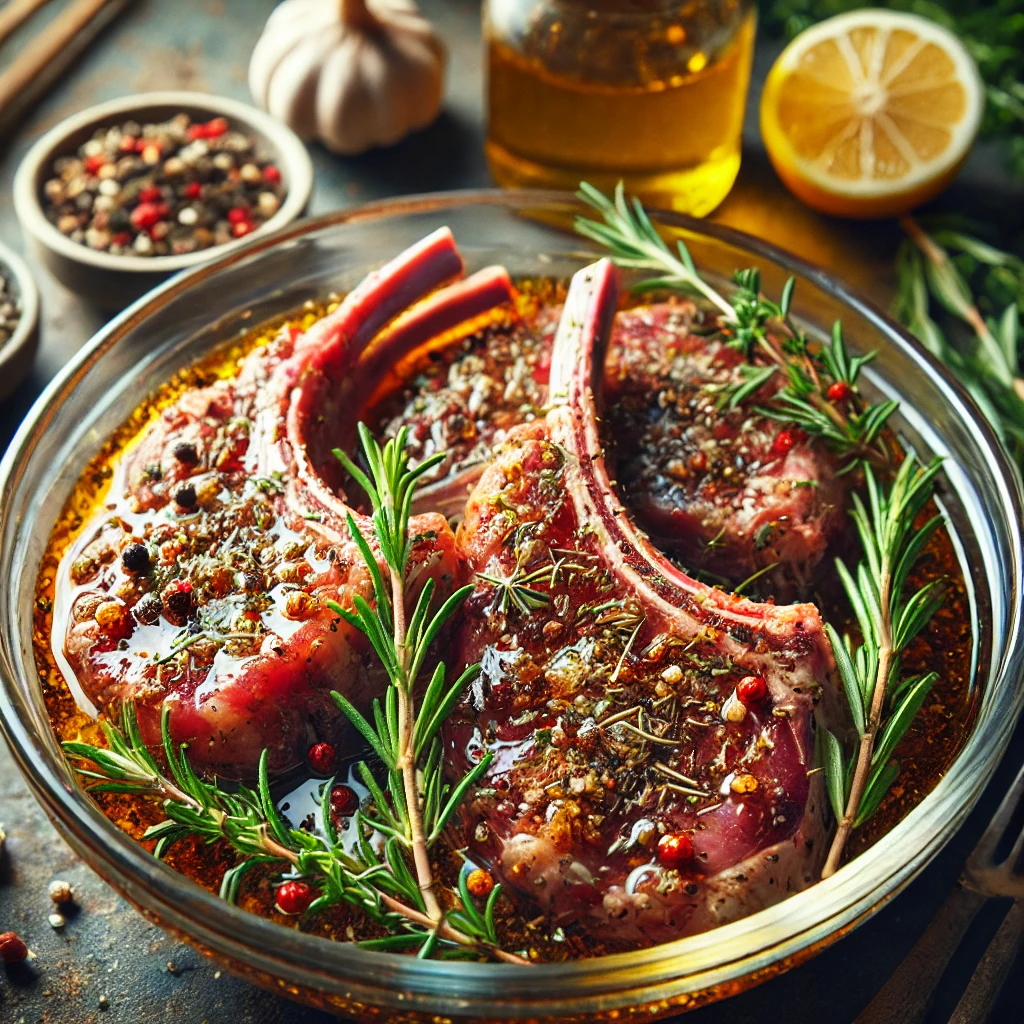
(355,74)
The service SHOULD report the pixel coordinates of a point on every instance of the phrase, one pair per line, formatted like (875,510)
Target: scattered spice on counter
(162,189)
(10,309)
(61,891)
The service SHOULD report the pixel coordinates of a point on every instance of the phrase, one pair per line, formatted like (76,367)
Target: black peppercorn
(186,453)
(135,558)
(185,496)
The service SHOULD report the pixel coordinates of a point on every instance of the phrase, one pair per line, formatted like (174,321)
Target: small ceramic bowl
(18,351)
(112,281)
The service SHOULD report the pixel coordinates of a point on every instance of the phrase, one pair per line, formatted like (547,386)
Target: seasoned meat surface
(728,492)
(627,706)
(204,587)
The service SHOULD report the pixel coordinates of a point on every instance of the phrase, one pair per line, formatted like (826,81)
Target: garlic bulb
(352,73)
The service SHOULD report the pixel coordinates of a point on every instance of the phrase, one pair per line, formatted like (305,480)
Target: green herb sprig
(890,614)
(418,803)
(772,344)
(386,872)
(962,297)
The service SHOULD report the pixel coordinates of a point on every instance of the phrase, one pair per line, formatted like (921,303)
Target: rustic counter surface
(108,963)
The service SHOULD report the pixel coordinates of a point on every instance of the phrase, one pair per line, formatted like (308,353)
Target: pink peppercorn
(751,690)
(12,949)
(321,758)
(294,897)
(145,215)
(344,802)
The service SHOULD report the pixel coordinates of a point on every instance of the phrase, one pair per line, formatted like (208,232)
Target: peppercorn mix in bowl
(124,194)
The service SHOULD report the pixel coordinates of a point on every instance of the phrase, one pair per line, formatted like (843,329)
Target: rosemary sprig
(387,872)
(418,803)
(890,615)
(772,343)
(376,881)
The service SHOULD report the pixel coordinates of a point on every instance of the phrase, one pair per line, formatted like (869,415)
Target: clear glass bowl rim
(786,933)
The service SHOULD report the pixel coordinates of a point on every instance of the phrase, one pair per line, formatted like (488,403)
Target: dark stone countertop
(107,953)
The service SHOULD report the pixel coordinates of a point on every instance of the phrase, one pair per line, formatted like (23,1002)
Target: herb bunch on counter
(962,297)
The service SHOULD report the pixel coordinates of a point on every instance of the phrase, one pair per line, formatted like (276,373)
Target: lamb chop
(722,489)
(226,526)
(652,737)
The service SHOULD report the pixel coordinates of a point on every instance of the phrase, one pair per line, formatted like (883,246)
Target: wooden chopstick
(50,53)
(14,13)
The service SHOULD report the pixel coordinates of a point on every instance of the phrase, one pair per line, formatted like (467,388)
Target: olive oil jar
(649,92)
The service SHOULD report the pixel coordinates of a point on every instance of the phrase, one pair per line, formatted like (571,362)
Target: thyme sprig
(772,343)
(386,871)
(890,614)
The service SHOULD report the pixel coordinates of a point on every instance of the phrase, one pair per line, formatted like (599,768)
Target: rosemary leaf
(890,615)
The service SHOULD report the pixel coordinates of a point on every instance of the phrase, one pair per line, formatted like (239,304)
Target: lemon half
(871,113)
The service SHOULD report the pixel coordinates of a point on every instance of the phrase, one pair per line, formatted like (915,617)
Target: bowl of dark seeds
(124,194)
(19,321)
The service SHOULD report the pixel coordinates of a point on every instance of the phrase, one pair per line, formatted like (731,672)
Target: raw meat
(715,487)
(203,585)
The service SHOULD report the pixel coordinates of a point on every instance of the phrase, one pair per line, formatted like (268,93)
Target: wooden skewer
(14,13)
(49,54)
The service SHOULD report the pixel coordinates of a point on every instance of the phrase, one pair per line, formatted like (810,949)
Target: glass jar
(651,92)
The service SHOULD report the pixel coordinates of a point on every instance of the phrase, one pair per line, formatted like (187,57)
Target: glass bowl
(527,232)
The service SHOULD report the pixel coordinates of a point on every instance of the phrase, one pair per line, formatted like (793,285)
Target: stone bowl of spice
(19,321)
(124,194)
